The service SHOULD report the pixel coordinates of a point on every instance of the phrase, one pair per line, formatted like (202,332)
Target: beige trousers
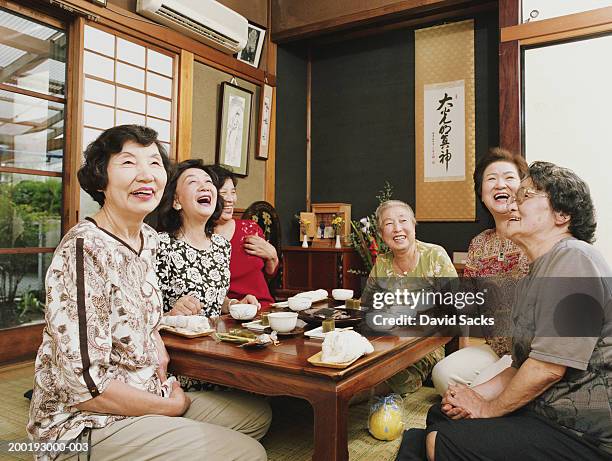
(471,366)
(219,426)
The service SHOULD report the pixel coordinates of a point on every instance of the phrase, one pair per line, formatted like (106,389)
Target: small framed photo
(265,119)
(234,128)
(251,54)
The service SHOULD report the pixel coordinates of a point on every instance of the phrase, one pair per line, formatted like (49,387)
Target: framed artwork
(251,54)
(234,128)
(265,119)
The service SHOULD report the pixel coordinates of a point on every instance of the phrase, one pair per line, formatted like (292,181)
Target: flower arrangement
(365,238)
(337,224)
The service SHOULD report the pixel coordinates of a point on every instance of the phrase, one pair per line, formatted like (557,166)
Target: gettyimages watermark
(486,307)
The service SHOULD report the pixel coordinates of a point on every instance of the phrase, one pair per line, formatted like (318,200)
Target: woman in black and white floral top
(193,263)
(184,270)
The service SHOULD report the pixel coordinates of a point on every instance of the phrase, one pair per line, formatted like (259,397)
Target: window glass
(32,55)
(30,210)
(22,288)
(31,132)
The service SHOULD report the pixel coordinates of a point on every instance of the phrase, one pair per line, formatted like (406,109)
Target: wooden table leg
(330,427)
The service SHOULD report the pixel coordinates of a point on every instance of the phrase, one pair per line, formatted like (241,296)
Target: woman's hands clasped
(460,402)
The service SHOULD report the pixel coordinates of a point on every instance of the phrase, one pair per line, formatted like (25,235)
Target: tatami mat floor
(289,439)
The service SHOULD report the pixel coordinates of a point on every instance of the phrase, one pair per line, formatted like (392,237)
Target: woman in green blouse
(409,264)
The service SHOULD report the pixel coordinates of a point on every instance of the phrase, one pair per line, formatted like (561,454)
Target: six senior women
(100,373)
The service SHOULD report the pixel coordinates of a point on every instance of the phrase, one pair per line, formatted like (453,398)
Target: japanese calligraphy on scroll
(445,122)
(444,131)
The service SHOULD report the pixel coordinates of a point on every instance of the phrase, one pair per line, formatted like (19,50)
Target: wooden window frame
(515,36)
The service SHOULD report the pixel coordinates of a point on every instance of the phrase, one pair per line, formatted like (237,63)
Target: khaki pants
(471,366)
(219,426)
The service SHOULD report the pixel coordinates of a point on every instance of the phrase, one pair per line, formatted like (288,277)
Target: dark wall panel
(290,194)
(363,123)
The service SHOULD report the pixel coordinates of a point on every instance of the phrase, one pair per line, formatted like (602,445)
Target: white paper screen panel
(97,116)
(130,100)
(130,76)
(98,66)
(160,108)
(100,41)
(160,63)
(131,52)
(129,118)
(97,91)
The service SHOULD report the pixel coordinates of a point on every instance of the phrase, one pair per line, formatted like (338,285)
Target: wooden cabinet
(311,268)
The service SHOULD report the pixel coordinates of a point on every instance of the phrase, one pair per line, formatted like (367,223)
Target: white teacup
(283,322)
(243,311)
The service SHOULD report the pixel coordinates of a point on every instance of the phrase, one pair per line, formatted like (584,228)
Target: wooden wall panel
(509,80)
(20,344)
(293,20)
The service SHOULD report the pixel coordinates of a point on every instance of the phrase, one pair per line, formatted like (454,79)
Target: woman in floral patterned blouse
(498,264)
(193,264)
(410,264)
(100,373)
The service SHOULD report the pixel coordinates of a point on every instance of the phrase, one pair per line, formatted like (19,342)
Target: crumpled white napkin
(344,346)
(314,296)
(187,322)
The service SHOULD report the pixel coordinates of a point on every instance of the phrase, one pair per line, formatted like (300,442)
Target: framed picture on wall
(251,54)
(265,119)
(234,128)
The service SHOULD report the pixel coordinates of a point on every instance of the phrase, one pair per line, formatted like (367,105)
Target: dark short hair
(93,174)
(222,175)
(170,220)
(497,154)
(567,194)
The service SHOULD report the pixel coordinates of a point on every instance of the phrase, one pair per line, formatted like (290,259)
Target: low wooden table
(284,370)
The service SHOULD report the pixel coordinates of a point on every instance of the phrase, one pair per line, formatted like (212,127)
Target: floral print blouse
(499,264)
(102,307)
(183,270)
(434,269)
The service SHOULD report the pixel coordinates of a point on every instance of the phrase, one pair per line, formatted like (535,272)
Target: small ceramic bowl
(341,294)
(299,303)
(283,322)
(243,311)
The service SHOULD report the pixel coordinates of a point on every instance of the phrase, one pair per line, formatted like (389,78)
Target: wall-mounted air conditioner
(205,20)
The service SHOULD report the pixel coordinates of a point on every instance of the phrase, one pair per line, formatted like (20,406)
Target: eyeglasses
(522,194)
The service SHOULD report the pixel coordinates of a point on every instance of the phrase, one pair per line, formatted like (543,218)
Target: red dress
(247,275)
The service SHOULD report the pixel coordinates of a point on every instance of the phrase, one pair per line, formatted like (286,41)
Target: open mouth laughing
(204,199)
(144,193)
(501,197)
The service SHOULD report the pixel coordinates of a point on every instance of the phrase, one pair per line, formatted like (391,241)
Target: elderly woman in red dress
(253,258)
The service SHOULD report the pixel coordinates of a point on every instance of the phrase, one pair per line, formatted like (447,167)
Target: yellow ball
(386,423)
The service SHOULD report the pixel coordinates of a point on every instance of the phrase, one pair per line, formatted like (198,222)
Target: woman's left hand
(470,402)
(250,299)
(256,246)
